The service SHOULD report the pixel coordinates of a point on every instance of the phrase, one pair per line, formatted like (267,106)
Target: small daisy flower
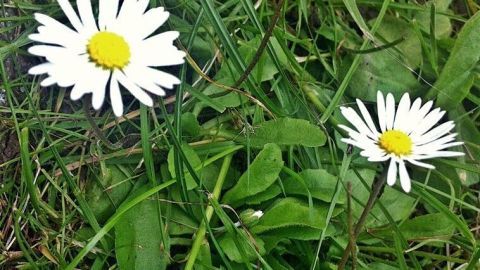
(118,49)
(406,135)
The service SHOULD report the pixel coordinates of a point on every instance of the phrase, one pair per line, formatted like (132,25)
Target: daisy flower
(117,49)
(407,134)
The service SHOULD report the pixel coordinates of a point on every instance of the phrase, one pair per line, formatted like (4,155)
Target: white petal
(389,111)
(134,89)
(54,32)
(151,21)
(367,117)
(420,115)
(401,117)
(107,13)
(378,158)
(353,117)
(433,147)
(421,164)
(158,51)
(377,152)
(78,90)
(412,114)
(381,111)
(71,14)
(142,5)
(392,172)
(116,96)
(159,77)
(40,69)
(354,143)
(435,133)
(440,141)
(49,81)
(362,138)
(427,123)
(437,154)
(136,75)
(404,177)
(86,15)
(100,79)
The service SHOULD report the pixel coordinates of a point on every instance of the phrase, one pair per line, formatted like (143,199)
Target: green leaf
(206,100)
(420,228)
(261,174)
(204,258)
(293,212)
(320,183)
(105,193)
(231,249)
(396,202)
(190,124)
(293,232)
(439,206)
(287,132)
(443,26)
(179,223)
(381,71)
(206,172)
(138,242)
(468,133)
(456,77)
(268,194)
(393,28)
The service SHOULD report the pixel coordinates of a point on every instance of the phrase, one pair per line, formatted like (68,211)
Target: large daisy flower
(406,135)
(119,49)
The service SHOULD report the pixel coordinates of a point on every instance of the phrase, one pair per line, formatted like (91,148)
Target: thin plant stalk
(200,236)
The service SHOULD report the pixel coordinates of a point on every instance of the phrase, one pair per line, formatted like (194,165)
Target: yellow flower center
(396,142)
(109,50)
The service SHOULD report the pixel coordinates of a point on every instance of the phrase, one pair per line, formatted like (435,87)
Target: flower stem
(377,189)
(200,235)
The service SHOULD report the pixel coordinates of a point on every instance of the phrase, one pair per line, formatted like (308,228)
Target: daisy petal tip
(97,105)
(147,102)
(117,110)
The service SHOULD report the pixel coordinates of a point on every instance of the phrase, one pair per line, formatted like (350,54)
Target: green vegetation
(252,127)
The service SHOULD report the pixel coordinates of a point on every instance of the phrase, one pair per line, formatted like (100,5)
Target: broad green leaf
(381,71)
(468,133)
(393,28)
(396,202)
(421,228)
(294,232)
(227,98)
(286,132)
(104,193)
(292,212)
(231,249)
(268,194)
(443,26)
(379,266)
(138,242)
(439,206)
(261,174)
(264,70)
(320,183)
(204,258)
(457,75)
(206,100)
(190,124)
(179,223)
(206,174)
(192,158)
